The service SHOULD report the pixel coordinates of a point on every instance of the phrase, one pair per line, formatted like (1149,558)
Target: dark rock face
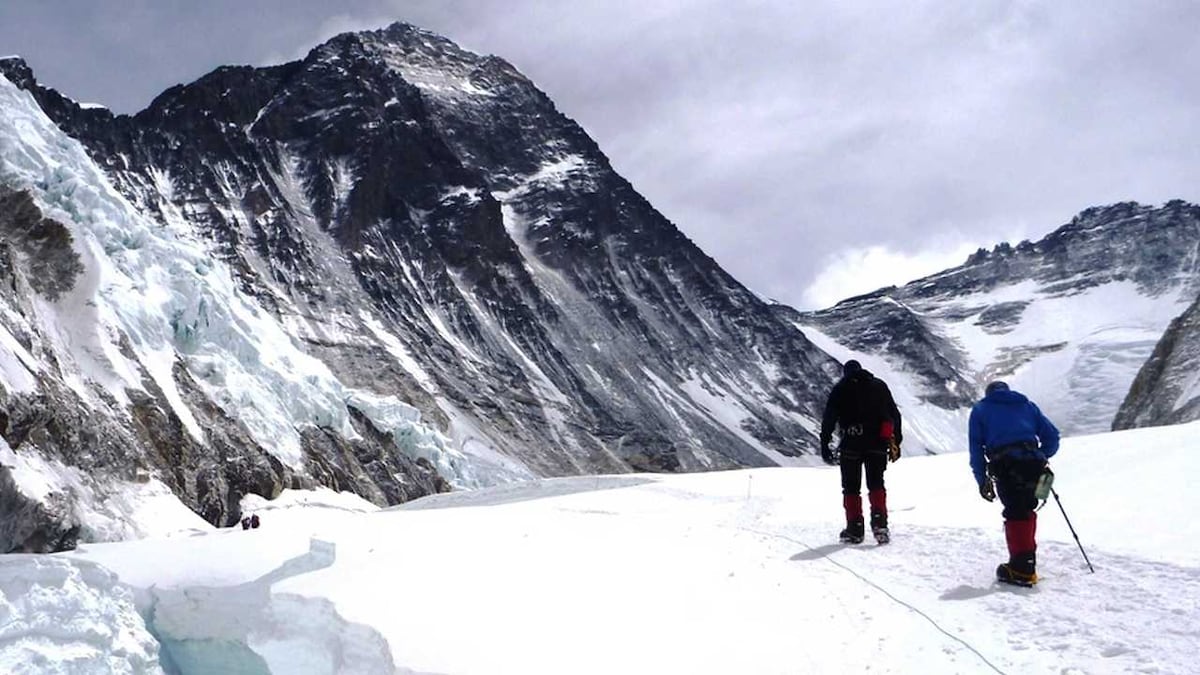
(930,326)
(45,244)
(33,526)
(393,192)
(1166,390)
(1002,317)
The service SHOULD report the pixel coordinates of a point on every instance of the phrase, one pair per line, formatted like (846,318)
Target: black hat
(996,385)
(851,366)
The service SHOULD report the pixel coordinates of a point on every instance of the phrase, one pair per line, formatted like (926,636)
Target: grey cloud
(775,134)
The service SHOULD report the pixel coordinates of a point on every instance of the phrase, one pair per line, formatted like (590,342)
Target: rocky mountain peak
(434,64)
(441,248)
(17,70)
(1126,241)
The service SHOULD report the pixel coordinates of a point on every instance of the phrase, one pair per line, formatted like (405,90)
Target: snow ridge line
(881,589)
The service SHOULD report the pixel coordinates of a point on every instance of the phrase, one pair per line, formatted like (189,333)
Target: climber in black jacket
(861,407)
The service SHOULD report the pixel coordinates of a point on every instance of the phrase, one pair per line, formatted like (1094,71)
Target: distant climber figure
(1010,442)
(861,407)
(254,522)
(246,522)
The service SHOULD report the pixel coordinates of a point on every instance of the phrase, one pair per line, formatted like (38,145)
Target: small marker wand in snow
(1070,527)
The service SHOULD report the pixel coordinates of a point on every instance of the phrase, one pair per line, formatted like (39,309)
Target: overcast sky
(816,149)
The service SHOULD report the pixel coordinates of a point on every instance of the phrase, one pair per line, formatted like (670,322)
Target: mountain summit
(391,251)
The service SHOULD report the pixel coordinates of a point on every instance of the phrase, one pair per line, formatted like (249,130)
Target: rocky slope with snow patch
(1069,319)
(1167,388)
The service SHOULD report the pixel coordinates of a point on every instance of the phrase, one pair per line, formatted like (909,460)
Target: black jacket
(858,406)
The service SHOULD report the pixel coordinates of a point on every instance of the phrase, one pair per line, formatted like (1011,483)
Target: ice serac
(424,221)
(130,364)
(1167,388)
(60,616)
(1069,319)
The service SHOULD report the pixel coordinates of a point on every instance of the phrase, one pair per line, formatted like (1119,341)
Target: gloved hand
(893,449)
(987,490)
(828,455)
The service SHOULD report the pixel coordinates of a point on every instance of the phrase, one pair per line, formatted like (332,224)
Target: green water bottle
(1044,483)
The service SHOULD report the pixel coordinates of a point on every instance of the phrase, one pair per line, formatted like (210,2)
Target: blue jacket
(1005,417)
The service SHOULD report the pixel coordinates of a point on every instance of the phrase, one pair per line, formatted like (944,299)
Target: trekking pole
(1064,512)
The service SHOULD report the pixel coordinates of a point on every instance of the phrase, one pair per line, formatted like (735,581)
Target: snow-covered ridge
(418,58)
(1075,354)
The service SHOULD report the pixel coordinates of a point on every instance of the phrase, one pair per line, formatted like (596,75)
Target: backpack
(864,410)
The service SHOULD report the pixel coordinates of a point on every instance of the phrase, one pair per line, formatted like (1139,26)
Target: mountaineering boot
(853,534)
(879,528)
(1020,570)
(879,520)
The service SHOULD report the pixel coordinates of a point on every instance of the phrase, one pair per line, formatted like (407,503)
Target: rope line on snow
(881,589)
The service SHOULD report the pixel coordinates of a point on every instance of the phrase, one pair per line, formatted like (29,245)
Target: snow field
(707,573)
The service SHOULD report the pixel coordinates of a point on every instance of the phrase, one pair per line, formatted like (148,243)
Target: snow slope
(1074,354)
(714,573)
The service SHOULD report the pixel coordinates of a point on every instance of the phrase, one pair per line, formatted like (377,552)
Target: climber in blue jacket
(1010,441)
